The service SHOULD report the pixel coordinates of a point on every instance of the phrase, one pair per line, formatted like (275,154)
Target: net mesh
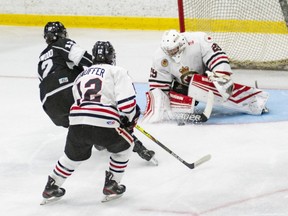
(252,33)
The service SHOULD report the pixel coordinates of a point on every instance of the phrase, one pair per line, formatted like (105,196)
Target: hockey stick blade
(198,162)
(209,106)
(203,117)
(189,165)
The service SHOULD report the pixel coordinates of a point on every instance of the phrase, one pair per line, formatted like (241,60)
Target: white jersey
(102,93)
(201,54)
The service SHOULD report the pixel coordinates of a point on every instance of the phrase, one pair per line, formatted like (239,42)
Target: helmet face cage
(173,44)
(104,52)
(53,31)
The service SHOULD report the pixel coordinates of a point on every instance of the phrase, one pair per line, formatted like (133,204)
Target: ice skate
(144,153)
(112,190)
(52,192)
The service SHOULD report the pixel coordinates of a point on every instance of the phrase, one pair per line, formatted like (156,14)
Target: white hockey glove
(222,82)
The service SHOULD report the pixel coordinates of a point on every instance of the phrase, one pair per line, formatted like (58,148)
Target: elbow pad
(86,60)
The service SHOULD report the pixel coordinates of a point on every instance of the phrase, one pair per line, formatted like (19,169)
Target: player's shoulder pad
(117,70)
(63,42)
(198,36)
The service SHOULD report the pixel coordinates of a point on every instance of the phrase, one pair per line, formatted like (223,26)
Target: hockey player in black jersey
(59,64)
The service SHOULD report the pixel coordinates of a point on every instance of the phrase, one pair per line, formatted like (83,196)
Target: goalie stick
(198,117)
(189,165)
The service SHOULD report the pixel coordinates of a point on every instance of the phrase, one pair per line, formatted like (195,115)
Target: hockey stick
(189,165)
(199,117)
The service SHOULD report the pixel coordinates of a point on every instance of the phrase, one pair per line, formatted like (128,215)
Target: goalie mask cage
(253,33)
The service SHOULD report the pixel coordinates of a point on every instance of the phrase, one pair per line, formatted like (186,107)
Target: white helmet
(173,43)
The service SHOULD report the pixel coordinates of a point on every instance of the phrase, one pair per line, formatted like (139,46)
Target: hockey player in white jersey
(188,65)
(104,113)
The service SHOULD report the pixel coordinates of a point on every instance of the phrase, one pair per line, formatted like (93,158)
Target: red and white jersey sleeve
(102,93)
(125,95)
(160,75)
(214,58)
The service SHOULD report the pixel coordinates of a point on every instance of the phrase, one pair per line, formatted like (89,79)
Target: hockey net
(253,33)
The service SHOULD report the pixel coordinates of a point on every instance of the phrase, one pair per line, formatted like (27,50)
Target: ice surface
(247,175)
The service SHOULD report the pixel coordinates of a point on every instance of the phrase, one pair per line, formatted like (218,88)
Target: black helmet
(53,31)
(103,52)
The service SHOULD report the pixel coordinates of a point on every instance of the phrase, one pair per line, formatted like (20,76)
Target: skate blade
(111,197)
(154,161)
(49,200)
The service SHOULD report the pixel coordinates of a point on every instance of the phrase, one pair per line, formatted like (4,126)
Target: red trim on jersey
(159,86)
(95,109)
(128,105)
(125,134)
(220,57)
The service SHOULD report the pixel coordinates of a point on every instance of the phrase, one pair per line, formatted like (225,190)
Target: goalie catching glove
(129,125)
(222,82)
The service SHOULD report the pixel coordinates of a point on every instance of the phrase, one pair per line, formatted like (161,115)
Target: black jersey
(59,65)
(60,56)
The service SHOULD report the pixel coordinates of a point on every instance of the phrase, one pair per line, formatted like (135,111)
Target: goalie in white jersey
(188,65)
(104,113)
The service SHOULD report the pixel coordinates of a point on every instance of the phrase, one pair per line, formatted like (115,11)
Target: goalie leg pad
(181,103)
(157,107)
(243,98)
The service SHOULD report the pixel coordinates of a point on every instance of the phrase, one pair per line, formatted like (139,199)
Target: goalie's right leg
(157,107)
(161,107)
(243,98)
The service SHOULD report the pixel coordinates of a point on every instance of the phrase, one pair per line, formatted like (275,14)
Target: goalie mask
(53,31)
(104,52)
(173,44)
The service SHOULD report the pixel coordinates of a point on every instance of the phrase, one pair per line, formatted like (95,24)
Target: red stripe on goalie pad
(179,98)
(149,107)
(244,98)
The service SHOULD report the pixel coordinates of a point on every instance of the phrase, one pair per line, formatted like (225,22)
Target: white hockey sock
(118,164)
(63,169)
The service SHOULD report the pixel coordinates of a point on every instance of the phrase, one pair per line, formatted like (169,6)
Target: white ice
(247,175)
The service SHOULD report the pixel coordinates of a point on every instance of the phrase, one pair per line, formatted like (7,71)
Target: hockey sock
(118,164)
(63,169)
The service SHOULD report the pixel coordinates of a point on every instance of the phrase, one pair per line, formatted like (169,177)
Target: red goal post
(181,16)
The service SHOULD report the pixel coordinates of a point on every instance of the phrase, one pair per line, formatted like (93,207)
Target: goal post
(181,16)
(253,33)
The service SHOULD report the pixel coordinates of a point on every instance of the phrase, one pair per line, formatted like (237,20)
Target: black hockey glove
(129,126)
